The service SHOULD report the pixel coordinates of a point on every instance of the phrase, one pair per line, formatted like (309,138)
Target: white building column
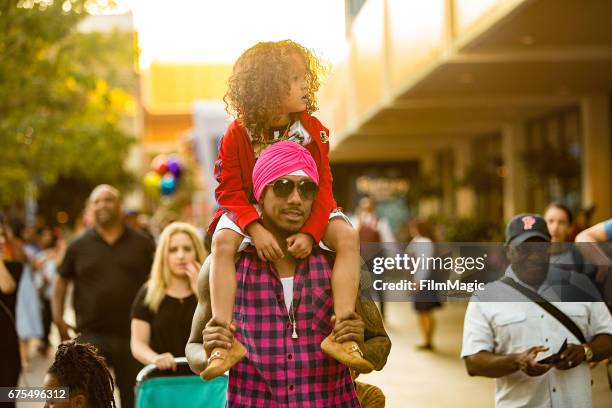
(465,197)
(447,178)
(427,166)
(597,156)
(515,181)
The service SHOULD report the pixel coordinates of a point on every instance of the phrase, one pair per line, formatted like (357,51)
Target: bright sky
(219,30)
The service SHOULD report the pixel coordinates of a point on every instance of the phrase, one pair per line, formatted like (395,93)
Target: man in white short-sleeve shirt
(506,334)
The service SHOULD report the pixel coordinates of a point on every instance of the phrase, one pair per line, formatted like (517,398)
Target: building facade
(504,104)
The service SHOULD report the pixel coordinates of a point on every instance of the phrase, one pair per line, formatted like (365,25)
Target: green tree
(63,94)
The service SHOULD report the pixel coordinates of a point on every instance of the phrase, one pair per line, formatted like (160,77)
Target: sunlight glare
(218,31)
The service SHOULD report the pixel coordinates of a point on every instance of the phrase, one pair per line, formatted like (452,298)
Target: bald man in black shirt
(107,265)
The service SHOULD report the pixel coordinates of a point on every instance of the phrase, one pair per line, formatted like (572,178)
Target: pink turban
(282,159)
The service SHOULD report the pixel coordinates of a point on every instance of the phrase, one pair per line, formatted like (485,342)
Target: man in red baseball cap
(521,333)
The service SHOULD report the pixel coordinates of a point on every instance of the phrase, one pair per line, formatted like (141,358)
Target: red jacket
(234,168)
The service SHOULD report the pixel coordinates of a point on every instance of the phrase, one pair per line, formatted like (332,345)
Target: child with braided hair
(83,370)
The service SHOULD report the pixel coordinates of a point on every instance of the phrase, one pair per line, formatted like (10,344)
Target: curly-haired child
(272,93)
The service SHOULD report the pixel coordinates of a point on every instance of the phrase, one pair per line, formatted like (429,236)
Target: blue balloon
(168,184)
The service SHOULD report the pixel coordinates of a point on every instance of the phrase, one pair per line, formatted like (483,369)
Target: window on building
(552,157)
(485,176)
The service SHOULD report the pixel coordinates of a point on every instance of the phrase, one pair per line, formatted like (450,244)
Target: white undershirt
(288,291)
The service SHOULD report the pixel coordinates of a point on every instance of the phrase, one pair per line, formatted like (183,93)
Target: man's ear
(510,252)
(262,195)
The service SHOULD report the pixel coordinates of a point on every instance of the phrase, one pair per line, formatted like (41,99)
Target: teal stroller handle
(151,370)
(157,388)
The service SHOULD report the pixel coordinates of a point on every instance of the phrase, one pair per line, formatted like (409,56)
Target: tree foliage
(63,94)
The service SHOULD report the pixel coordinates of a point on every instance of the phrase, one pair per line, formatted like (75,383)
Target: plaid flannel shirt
(279,371)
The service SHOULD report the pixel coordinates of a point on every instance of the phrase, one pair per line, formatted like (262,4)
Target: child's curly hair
(79,367)
(261,78)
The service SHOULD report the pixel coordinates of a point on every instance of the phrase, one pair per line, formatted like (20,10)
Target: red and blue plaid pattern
(279,371)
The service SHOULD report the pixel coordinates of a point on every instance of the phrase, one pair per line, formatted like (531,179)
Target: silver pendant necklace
(294,335)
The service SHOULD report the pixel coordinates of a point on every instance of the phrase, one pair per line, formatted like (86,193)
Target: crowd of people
(282,300)
(29,265)
(132,298)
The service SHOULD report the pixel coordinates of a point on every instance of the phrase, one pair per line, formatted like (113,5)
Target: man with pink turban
(283,309)
(284,158)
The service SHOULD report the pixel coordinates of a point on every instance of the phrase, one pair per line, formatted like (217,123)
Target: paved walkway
(413,379)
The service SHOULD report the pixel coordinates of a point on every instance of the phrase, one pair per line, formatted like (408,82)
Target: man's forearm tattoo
(377,342)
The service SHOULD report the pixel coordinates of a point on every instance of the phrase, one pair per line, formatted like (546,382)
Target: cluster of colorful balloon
(164,175)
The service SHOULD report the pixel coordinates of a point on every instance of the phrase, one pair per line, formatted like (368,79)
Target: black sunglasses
(528,248)
(283,188)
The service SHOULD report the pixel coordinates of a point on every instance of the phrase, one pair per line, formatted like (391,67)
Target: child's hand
(300,245)
(266,245)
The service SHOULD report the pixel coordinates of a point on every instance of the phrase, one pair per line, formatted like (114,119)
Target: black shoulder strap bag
(549,307)
(557,314)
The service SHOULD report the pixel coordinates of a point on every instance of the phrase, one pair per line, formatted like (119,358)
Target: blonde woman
(164,306)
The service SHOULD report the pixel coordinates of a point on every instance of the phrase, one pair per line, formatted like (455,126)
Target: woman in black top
(10,364)
(164,306)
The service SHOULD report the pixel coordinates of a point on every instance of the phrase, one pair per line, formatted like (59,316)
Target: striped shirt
(279,371)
